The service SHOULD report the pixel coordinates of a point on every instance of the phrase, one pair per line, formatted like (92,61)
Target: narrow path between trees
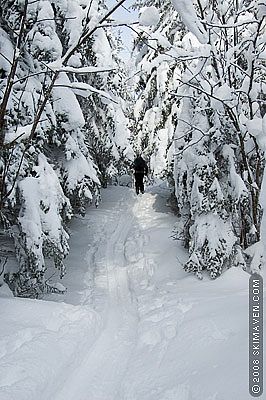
(123,262)
(151,344)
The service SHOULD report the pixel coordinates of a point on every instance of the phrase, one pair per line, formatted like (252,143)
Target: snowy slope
(133,325)
(37,340)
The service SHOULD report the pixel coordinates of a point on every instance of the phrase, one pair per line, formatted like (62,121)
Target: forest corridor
(111,290)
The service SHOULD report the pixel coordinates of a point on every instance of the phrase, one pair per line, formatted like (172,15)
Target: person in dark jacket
(140,169)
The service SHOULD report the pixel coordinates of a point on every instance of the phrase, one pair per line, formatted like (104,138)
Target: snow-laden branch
(191,126)
(115,23)
(22,132)
(81,70)
(19,134)
(88,34)
(85,90)
(191,144)
(186,10)
(63,61)
(230,26)
(29,76)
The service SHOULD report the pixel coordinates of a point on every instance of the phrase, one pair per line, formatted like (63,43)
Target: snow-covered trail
(100,373)
(132,325)
(164,333)
(122,269)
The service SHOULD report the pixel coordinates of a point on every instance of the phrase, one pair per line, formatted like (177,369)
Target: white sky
(128,15)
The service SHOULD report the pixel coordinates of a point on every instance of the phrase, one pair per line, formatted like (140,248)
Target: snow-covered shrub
(40,231)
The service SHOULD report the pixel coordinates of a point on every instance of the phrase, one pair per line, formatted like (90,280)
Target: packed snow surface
(132,325)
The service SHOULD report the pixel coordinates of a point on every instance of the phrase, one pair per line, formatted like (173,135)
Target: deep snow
(132,325)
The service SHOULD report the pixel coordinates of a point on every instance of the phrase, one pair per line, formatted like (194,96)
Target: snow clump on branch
(149,16)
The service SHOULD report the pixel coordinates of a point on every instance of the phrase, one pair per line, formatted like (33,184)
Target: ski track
(123,295)
(99,376)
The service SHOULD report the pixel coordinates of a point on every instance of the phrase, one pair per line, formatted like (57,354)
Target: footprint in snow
(133,249)
(184,307)
(169,331)
(150,338)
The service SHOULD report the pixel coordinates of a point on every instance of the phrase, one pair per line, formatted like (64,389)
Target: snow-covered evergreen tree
(46,161)
(219,143)
(107,132)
